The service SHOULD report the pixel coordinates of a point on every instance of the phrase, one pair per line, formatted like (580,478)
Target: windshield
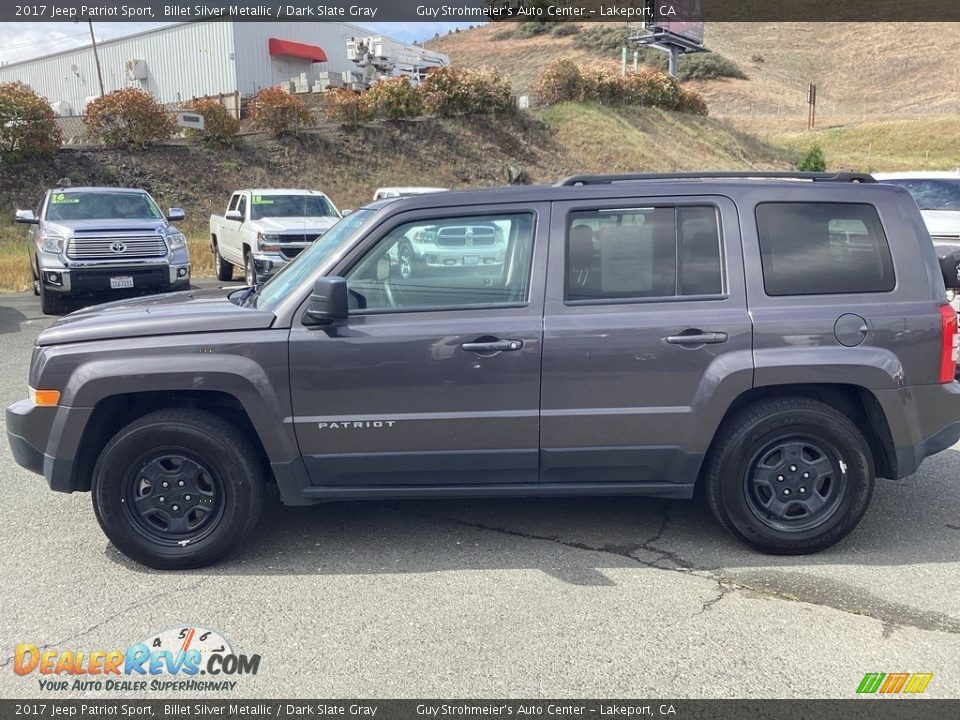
(932,194)
(102,206)
(293,275)
(274,206)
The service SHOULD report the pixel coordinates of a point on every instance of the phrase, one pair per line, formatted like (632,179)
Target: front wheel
(177,489)
(789,476)
(50,303)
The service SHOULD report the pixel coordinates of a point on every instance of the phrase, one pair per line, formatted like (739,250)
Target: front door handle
(493,346)
(697,338)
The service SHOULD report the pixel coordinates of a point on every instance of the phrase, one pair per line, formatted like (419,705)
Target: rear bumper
(924,420)
(44,440)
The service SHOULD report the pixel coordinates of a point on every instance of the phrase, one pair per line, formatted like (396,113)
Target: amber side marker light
(45,398)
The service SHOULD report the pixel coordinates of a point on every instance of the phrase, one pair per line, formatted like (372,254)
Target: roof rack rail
(840,177)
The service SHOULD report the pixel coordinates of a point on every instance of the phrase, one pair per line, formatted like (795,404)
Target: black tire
(407,261)
(789,476)
(51,303)
(223,269)
(249,271)
(218,483)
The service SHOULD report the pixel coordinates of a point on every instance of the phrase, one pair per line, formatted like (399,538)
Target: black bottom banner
(854,709)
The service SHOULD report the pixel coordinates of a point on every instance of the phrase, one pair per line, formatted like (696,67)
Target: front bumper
(44,440)
(97,278)
(459,256)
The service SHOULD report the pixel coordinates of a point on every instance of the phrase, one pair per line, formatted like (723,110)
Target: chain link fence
(316,116)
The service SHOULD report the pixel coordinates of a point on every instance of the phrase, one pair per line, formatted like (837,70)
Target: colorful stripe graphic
(894,683)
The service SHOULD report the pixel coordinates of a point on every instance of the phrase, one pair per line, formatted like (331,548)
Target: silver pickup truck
(90,240)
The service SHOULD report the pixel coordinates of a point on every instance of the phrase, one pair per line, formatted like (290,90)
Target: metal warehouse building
(188,60)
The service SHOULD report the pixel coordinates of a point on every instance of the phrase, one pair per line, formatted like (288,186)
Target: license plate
(471,260)
(121,282)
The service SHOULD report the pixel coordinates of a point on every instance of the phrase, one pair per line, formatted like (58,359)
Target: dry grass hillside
(861,69)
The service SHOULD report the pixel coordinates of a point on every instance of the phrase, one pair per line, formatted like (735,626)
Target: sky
(25,40)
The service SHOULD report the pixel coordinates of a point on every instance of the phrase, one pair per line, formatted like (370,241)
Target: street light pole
(96,57)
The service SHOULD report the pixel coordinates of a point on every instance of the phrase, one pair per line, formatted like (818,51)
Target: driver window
(480,260)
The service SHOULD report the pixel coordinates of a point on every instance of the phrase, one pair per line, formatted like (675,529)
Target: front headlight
(176,241)
(268,242)
(51,243)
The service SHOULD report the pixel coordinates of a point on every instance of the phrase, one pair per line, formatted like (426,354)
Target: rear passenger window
(653,252)
(823,249)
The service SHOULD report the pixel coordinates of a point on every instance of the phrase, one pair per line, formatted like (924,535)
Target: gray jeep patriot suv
(778,340)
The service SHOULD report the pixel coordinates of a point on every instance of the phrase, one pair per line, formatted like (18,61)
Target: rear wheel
(789,476)
(177,489)
(223,269)
(50,303)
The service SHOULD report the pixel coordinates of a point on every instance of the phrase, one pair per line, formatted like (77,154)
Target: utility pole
(96,57)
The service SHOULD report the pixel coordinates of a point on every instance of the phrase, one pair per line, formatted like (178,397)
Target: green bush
(28,126)
(565,29)
(129,118)
(560,81)
(602,38)
(813,161)
(524,30)
(453,91)
(220,127)
(279,112)
(394,99)
(563,81)
(347,107)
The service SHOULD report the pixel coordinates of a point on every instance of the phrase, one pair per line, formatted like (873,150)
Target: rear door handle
(493,346)
(708,338)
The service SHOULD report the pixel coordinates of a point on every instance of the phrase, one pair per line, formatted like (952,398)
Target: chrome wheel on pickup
(223,269)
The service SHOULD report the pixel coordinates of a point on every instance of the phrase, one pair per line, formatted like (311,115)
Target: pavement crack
(723,589)
(727,584)
(109,618)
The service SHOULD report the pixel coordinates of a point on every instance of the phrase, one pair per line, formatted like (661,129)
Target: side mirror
(26,217)
(949,258)
(344,213)
(234,215)
(328,302)
(176,214)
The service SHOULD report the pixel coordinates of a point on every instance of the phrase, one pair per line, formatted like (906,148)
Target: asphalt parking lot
(605,597)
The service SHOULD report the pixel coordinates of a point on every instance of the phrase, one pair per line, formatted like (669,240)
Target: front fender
(240,377)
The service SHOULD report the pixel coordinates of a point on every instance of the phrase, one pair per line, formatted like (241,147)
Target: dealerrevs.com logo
(183,659)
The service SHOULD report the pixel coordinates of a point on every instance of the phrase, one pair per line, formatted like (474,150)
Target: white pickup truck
(262,230)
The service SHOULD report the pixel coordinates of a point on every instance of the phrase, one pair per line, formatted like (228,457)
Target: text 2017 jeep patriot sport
(778,340)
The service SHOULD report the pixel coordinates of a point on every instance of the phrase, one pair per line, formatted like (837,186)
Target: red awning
(288,48)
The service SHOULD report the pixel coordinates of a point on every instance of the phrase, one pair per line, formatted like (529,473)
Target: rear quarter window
(823,249)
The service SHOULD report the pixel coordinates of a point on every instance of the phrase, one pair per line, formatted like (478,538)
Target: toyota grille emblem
(118,247)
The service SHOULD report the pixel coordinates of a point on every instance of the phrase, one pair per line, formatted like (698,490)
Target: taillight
(948,343)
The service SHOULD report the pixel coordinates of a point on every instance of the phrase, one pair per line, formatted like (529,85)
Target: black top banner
(474,11)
